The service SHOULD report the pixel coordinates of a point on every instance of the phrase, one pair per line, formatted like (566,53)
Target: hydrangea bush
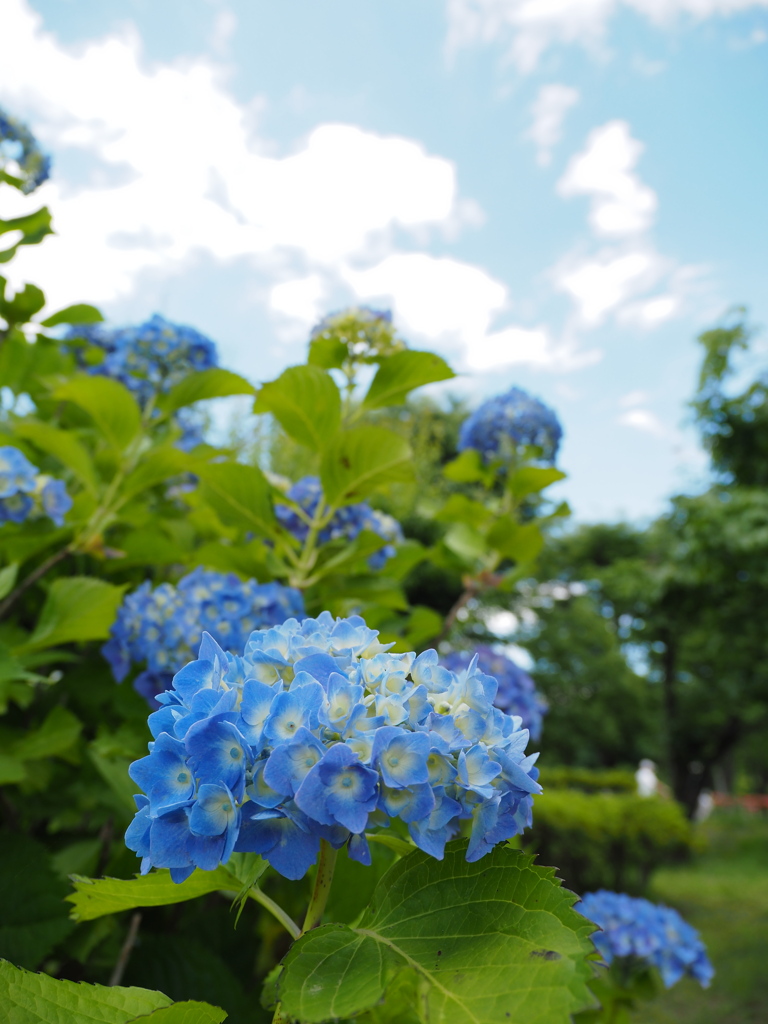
(26,493)
(276,746)
(161,627)
(318,732)
(505,423)
(635,929)
(347,522)
(517,693)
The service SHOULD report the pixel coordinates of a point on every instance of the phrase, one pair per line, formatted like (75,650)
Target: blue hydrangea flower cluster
(346,524)
(19,146)
(27,493)
(318,732)
(517,693)
(149,359)
(647,932)
(506,422)
(161,628)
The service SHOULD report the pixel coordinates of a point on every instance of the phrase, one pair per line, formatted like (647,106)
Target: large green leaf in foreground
(27,998)
(495,942)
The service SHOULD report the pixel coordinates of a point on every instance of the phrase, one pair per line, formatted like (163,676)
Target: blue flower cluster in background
(347,522)
(162,628)
(149,359)
(27,493)
(19,146)
(506,422)
(647,932)
(517,693)
(318,732)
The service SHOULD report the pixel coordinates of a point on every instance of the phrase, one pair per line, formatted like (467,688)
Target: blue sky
(558,194)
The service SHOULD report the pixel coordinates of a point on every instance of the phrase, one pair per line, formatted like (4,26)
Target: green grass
(723,893)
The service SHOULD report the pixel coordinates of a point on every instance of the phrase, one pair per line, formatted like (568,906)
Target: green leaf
(490,942)
(112,766)
(35,226)
(305,402)
(11,770)
(188,1012)
(465,541)
(34,916)
(29,224)
(8,579)
(157,467)
(23,306)
(329,353)
(521,541)
(212,383)
(423,624)
(80,313)
(39,999)
(57,734)
(359,460)
(467,468)
(76,608)
(461,509)
(14,686)
(110,405)
(533,479)
(62,445)
(240,495)
(95,897)
(402,372)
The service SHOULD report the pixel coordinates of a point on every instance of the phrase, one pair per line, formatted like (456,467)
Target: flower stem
(34,576)
(275,910)
(325,865)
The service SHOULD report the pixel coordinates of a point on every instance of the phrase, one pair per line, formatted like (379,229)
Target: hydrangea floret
(646,933)
(162,628)
(26,493)
(20,153)
(317,731)
(347,522)
(504,423)
(517,693)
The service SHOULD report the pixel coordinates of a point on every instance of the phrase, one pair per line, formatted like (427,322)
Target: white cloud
(453,305)
(548,112)
(533,26)
(642,419)
(300,299)
(630,279)
(602,284)
(621,203)
(176,171)
(633,398)
(435,297)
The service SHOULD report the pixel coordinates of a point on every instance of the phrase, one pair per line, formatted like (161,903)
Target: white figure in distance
(646,779)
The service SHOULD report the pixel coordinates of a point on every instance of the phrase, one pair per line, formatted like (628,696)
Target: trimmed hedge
(612,780)
(607,840)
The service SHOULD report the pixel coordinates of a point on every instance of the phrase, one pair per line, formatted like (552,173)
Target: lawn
(723,893)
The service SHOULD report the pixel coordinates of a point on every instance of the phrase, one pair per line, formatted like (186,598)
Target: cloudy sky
(558,194)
